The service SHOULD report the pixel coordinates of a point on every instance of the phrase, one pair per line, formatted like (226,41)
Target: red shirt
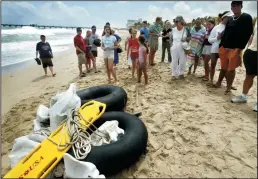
(134,47)
(79,42)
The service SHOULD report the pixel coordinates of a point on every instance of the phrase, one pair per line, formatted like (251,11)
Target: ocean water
(19,44)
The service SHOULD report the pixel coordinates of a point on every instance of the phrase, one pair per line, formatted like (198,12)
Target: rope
(79,139)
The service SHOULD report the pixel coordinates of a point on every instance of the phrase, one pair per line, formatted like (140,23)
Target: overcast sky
(79,13)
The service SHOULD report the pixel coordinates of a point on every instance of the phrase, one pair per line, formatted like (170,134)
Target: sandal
(82,75)
(205,79)
(209,84)
(233,88)
(215,86)
(227,92)
(54,75)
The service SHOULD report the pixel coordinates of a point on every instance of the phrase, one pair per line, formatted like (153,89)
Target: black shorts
(215,55)
(94,53)
(250,62)
(46,62)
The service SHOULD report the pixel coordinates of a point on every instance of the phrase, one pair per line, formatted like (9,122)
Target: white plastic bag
(129,61)
(109,127)
(79,169)
(62,103)
(21,148)
(42,113)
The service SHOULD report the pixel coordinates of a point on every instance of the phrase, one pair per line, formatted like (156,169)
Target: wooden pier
(41,26)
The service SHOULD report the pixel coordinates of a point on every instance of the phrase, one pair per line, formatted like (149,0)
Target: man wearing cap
(46,55)
(94,36)
(237,32)
(145,30)
(80,46)
(154,34)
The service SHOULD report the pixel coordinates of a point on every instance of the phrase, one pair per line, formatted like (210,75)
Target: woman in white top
(214,39)
(109,43)
(178,36)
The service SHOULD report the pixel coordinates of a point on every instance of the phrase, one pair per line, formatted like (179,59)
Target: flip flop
(233,88)
(54,75)
(205,79)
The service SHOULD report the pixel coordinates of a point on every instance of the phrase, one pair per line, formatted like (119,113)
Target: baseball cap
(79,29)
(93,27)
(239,3)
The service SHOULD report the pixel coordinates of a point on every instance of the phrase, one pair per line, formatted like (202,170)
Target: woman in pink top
(142,62)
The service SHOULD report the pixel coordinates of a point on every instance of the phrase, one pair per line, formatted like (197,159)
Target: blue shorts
(133,59)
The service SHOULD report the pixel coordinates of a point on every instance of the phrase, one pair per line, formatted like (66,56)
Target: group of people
(185,46)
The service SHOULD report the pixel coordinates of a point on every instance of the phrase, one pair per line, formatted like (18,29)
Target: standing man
(166,42)
(46,55)
(238,31)
(145,30)
(250,62)
(94,48)
(80,46)
(154,34)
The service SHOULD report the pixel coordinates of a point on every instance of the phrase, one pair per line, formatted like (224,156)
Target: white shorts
(108,56)
(206,50)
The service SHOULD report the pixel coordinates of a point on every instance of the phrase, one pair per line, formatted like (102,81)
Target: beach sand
(194,131)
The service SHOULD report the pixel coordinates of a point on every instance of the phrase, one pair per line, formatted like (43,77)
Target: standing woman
(207,48)
(215,41)
(197,37)
(166,41)
(118,39)
(108,45)
(179,40)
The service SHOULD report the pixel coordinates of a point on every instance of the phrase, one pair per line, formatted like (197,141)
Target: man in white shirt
(250,62)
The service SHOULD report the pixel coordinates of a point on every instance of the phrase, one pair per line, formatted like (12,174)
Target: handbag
(185,45)
(119,50)
(38,61)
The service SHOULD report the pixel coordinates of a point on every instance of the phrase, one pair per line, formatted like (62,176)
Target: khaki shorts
(109,58)
(153,42)
(81,59)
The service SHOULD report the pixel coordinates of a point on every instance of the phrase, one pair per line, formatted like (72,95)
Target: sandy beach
(194,131)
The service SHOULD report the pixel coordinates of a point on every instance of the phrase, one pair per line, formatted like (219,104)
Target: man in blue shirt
(145,30)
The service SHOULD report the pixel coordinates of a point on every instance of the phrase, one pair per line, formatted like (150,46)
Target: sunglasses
(176,21)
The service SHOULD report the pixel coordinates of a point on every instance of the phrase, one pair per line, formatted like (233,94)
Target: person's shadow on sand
(39,78)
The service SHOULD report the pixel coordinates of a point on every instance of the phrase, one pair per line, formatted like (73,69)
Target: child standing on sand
(133,47)
(142,62)
(89,56)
